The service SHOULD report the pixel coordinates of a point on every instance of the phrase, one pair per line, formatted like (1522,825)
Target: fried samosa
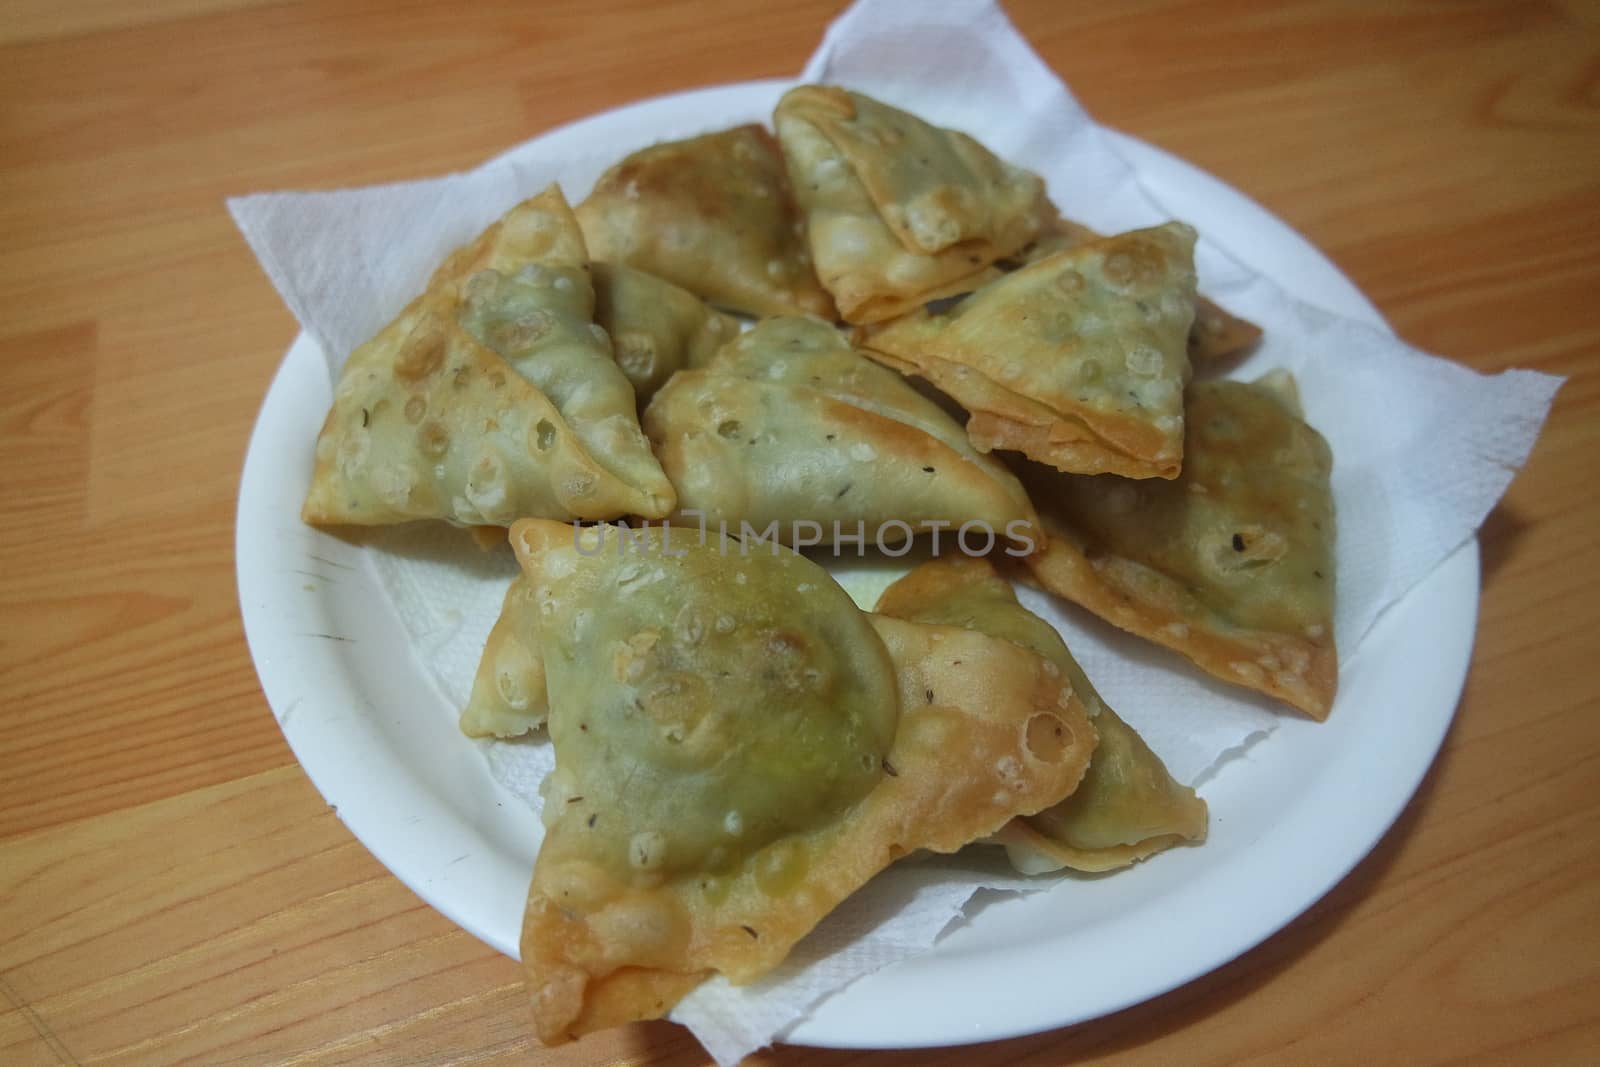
(508,692)
(1077,360)
(1216,334)
(899,212)
(1232,564)
(491,397)
(656,328)
(738,748)
(1127,807)
(713,214)
(788,424)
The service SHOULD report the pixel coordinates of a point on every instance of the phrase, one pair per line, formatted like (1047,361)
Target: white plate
(1288,821)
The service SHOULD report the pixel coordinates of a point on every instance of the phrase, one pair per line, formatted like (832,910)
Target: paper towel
(1423,447)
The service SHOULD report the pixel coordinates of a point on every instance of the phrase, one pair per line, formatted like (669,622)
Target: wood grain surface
(173,890)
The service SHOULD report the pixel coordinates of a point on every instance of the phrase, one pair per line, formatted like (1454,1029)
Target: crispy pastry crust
(492,396)
(1232,565)
(1035,852)
(984,731)
(713,214)
(1077,360)
(1300,671)
(656,328)
(789,423)
(899,212)
(1127,807)
(1217,334)
(962,767)
(508,692)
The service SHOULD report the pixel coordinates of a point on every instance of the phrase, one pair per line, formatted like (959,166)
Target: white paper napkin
(1423,448)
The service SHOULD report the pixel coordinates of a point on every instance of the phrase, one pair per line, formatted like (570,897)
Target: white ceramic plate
(1288,821)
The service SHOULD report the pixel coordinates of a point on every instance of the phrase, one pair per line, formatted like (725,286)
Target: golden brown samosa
(491,397)
(789,424)
(1216,334)
(1232,564)
(738,748)
(508,692)
(1077,360)
(713,214)
(1127,807)
(898,211)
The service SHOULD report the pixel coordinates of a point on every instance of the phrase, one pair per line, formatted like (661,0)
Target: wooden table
(172,889)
